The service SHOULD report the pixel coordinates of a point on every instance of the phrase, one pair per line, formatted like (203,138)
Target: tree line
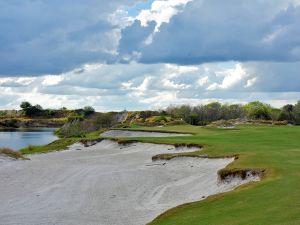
(37,111)
(205,114)
(195,115)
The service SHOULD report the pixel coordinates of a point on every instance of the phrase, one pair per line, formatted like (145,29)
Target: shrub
(88,110)
(79,126)
(258,110)
(11,153)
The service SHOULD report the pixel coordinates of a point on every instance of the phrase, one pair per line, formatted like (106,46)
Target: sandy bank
(105,184)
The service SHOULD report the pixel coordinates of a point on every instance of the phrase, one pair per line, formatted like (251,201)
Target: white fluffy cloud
(232,77)
(140,86)
(161,11)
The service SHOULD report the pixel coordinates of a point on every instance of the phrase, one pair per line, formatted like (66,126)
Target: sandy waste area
(105,184)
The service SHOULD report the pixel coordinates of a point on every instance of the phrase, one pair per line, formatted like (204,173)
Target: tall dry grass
(11,153)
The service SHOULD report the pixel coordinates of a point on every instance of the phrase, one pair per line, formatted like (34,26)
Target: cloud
(142,86)
(274,77)
(202,81)
(16,82)
(52,37)
(250,82)
(143,54)
(161,12)
(213,30)
(52,80)
(232,77)
(49,37)
(134,38)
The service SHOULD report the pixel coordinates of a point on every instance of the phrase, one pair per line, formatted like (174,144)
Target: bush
(157,119)
(30,110)
(9,123)
(79,126)
(258,110)
(75,117)
(88,110)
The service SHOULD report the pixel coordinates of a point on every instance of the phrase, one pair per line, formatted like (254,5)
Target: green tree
(88,110)
(25,105)
(213,111)
(258,110)
(287,113)
(30,110)
(275,113)
(296,113)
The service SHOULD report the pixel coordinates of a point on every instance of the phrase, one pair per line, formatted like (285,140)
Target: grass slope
(275,200)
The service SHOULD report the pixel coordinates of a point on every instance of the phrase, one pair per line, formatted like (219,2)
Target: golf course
(150,112)
(271,150)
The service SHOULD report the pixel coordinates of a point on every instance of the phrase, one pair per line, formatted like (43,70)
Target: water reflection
(20,138)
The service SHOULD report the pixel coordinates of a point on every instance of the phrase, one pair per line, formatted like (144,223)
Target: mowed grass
(274,200)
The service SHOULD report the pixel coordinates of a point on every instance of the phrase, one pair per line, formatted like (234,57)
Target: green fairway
(274,200)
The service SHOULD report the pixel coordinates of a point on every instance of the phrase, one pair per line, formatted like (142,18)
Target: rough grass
(273,201)
(11,153)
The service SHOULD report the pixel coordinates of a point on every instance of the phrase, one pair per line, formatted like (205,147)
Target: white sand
(5,159)
(126,133)
(105,184)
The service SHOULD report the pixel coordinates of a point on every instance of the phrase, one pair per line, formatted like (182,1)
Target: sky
(148,54)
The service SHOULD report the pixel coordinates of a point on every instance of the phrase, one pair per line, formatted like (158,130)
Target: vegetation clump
(80,126)
(151,118)
(11,153)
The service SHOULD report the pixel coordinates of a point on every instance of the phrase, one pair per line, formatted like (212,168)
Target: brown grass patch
(11,153)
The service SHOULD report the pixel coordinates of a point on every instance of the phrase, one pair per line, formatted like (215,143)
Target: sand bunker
(127,133)
(105,184)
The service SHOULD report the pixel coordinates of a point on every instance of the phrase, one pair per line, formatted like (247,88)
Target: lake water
(21,138)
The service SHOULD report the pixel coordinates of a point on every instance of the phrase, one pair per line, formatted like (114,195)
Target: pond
(23,137)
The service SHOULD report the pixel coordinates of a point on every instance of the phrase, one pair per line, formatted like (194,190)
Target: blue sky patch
(136,9)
